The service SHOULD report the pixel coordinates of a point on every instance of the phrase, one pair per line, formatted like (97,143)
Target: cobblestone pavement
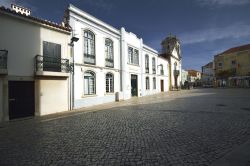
(194,127)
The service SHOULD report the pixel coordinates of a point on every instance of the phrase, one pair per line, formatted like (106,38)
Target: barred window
(109,83)
(89,83)
(154,83)
(153,66)
(133,56)
(89,47)
(146,63)
(109,60)
(147,83)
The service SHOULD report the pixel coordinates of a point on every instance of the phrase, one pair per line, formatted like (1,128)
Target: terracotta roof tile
(236,49)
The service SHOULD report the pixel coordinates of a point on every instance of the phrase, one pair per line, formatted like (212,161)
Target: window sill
(133,64)
(87,96)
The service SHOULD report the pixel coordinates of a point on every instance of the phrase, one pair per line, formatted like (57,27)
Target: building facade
(194,77)
(184,77)
(34,66)
(172,52)
(207,77)
(48,68)
(232,67)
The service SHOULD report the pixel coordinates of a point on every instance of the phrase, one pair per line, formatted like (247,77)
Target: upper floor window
(89,83)
(51,56)
(153,66)
(161,69)
(109,83)
(146,63)
(89,47)
(109,57)
(220,64)
(133,56)
(147,83)
(175,66)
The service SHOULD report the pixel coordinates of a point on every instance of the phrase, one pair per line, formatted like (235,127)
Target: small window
(233,62)
(153,66)
(146,63)
(133,56)
(109,83)
(109,60)
(147,83)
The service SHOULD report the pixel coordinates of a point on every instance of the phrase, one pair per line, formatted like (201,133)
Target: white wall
(79,23)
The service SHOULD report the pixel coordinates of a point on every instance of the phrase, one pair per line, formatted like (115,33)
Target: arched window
(89,83)
(154,83)
(146,63)
(109,58)
(175,66)
(109,83)
(153,65)
(147,83)
(89,47)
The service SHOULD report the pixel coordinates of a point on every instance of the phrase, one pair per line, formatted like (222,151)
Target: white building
(112,64)
(184,76)
(171,50)
(207,77)
(35,67)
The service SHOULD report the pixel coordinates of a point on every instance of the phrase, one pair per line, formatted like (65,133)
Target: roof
(193,73)
(209,65)
(236,49)
(35,19)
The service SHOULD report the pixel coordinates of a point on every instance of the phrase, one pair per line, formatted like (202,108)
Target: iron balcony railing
(176,72)
(109,62)
(162,72)
(3,59)
(89,59)
(45,63)
(147,70)
(154,71)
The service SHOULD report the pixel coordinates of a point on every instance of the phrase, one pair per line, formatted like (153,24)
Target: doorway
(134,86)
(162,85)
(21,99)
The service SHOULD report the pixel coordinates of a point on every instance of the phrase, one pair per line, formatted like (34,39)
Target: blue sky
(204,27)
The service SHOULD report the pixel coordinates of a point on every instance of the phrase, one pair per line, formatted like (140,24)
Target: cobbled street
(189,127)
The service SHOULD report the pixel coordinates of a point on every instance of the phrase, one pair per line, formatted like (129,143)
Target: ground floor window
(109,83)
(147,83)
(89,83)
(154,83)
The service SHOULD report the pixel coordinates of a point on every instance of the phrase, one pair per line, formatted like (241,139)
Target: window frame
(109,85)
(94,83)
(146,63)
(133,56)
(89,44)
(147,83)
(109,55)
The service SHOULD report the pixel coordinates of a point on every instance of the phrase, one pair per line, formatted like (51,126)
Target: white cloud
(207,35)
(222,2)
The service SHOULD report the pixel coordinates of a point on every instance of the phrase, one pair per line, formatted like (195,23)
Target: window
(133,56)
(109,83)
(153,66)
(109,60)
(146,63)
(147,83)
(51,56)
(89,83)
(161,69)
(233,62)
(89,47)
(220,65)
(154,83)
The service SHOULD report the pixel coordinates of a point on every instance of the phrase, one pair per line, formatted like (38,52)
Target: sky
(204,27)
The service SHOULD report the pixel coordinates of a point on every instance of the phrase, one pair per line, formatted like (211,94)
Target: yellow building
(232,67)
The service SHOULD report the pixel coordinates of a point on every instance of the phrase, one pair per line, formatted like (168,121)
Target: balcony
(109,63)
(147,70)
(154,71)
(176,72)
(89,59)
(50,66)
(3,62)
(162,72)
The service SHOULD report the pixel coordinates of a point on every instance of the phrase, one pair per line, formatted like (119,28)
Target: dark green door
(134,91)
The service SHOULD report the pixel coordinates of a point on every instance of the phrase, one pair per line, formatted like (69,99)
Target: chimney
(20,9)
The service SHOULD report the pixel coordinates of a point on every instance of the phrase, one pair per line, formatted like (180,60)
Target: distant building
(232,67)
(171,51)
(194,77)
(184,76)
(207,77)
